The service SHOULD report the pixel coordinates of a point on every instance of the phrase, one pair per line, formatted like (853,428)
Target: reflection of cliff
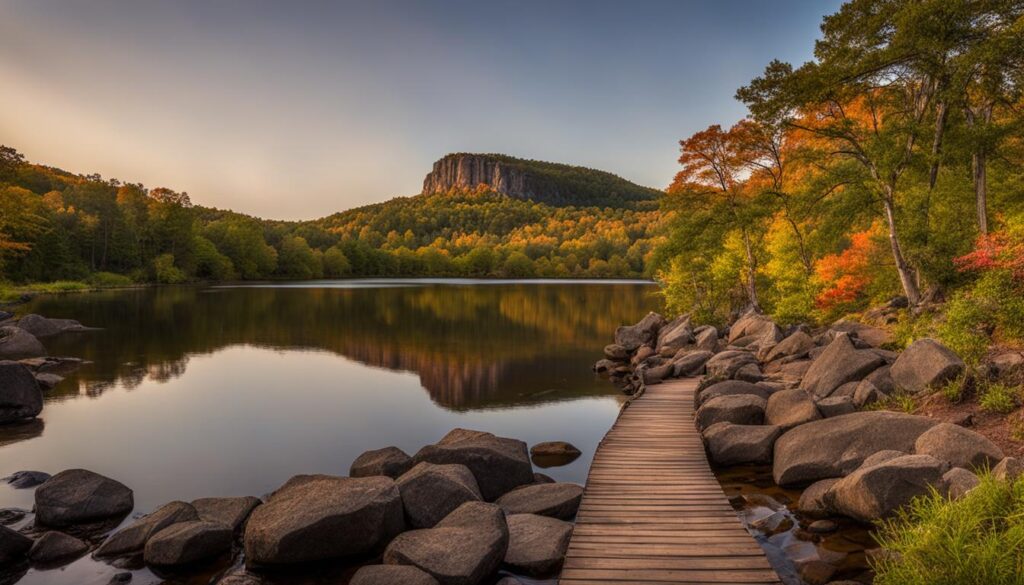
(472,346)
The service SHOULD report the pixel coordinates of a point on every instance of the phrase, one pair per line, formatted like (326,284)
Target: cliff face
(544,182)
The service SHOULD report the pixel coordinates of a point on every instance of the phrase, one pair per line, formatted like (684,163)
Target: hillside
(543,182)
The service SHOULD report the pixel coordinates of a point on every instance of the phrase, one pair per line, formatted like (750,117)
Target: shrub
(165,271)
(997,397)
(978,538)
(109,279)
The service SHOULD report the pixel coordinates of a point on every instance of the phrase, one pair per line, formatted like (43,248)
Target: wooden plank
(653,511)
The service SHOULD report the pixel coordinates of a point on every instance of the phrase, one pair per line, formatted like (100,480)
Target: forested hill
(543,182)
(56,225)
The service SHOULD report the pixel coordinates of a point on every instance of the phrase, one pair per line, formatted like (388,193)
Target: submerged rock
(317,517)
(499,464)
(537,544)
(80,496)
(389,461)
(16,343)
(557,500)
(44,327)
(26,479)
(554,453)
(20,395)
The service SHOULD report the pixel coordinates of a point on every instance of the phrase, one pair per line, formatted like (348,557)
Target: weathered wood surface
(653,511)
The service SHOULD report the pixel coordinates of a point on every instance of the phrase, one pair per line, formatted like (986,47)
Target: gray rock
(731,444)
(838,364)
(230,511)
(1009,468)
(958,481)
(675,335)
(725,364)
(40,326)
(48,381)
(14,546)
(391,575)
(812,500)
(188,542)
(132,539)
(866,393)
(20,480)
(740,409)
(56,548)
(925,364)
(602,366)
(316,517)
(836,406)
(751,324)
(463,549)
(882,457)
(958,446)
(705,339)
(499,464)
(790,408)
(847,390)
(79,496)
(644,332)
(749,373)
(616,353)
(731,388)
(542,478)
(691,363)
(557,500)
(537,544)
(20,396)
(655,374)
(872,493)
(16,343)
(389,461)
(873,336)
(834,447)
(430,492)
(10,516)
(641,355)
(797,344)
(882,379)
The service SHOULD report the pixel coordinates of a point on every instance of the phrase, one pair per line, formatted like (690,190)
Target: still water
(210,391)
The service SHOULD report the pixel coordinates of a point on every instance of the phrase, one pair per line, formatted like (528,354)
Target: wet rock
(14,546)
(1008,469)
(54,548)
(823,526)
(872,493)
(20,396)
(316,517)
(132,539)
(838,364)
(816,572)
(926,363)
(643,333)
(836,406)
(790,408)
(797,344)
(499,464)
(430,492)
(509,581)
(537,544)
(726,364)
(188,542)
(691,363)
(834,447)
(554,453)
(812,500)
(126,577)
(43,327)
(391,575)
(463,549)
(47,381)
(10,516)
(773,523)
(389,461)
(616,353)
(26,479)
(959,446)
(603,366)
(79,496)
(730,388)
(557,500)
(230,511)
(958,481)
(16,343)
(731,444)
(740,409)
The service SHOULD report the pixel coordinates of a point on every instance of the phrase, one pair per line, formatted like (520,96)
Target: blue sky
(294,110)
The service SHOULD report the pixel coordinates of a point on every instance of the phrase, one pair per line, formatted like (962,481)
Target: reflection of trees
(471,345)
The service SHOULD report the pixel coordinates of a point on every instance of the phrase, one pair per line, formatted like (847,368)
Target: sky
(298,109)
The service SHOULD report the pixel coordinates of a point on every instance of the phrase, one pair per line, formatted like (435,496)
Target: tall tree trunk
(751,273)
(941,115)
(907,274)
(978,168)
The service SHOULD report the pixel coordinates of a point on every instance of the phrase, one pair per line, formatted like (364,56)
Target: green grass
(976,539)
(10,293)
(956,389)
(998,397)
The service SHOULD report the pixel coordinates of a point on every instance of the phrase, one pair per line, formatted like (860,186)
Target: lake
(230,390)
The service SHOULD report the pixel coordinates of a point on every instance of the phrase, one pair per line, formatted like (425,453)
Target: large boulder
(536,544)
(499,464)
(655,374)
(797,344)
(14,546)
(557,500)
(959,447)
(840,363)
(391,575)
(731,388)
(675,335)
(16,343)
(43,327)
(731,444)
(188,542)
(132,539)
(430,492)
(644,332)
(316,517)
(389,461)
(834,447)
(463,549)
(20,396)
(925,364)
(56,548)
(705,338)
(80,496)
(727,363)
(740,409)
(882,379)
(229,511)
(812,500)
(616,353)
(752,324)
(691,363)
(790,408)
(836,406)
(872,493)
(873,336)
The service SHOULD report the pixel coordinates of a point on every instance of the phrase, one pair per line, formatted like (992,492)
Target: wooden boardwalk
(653,511)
